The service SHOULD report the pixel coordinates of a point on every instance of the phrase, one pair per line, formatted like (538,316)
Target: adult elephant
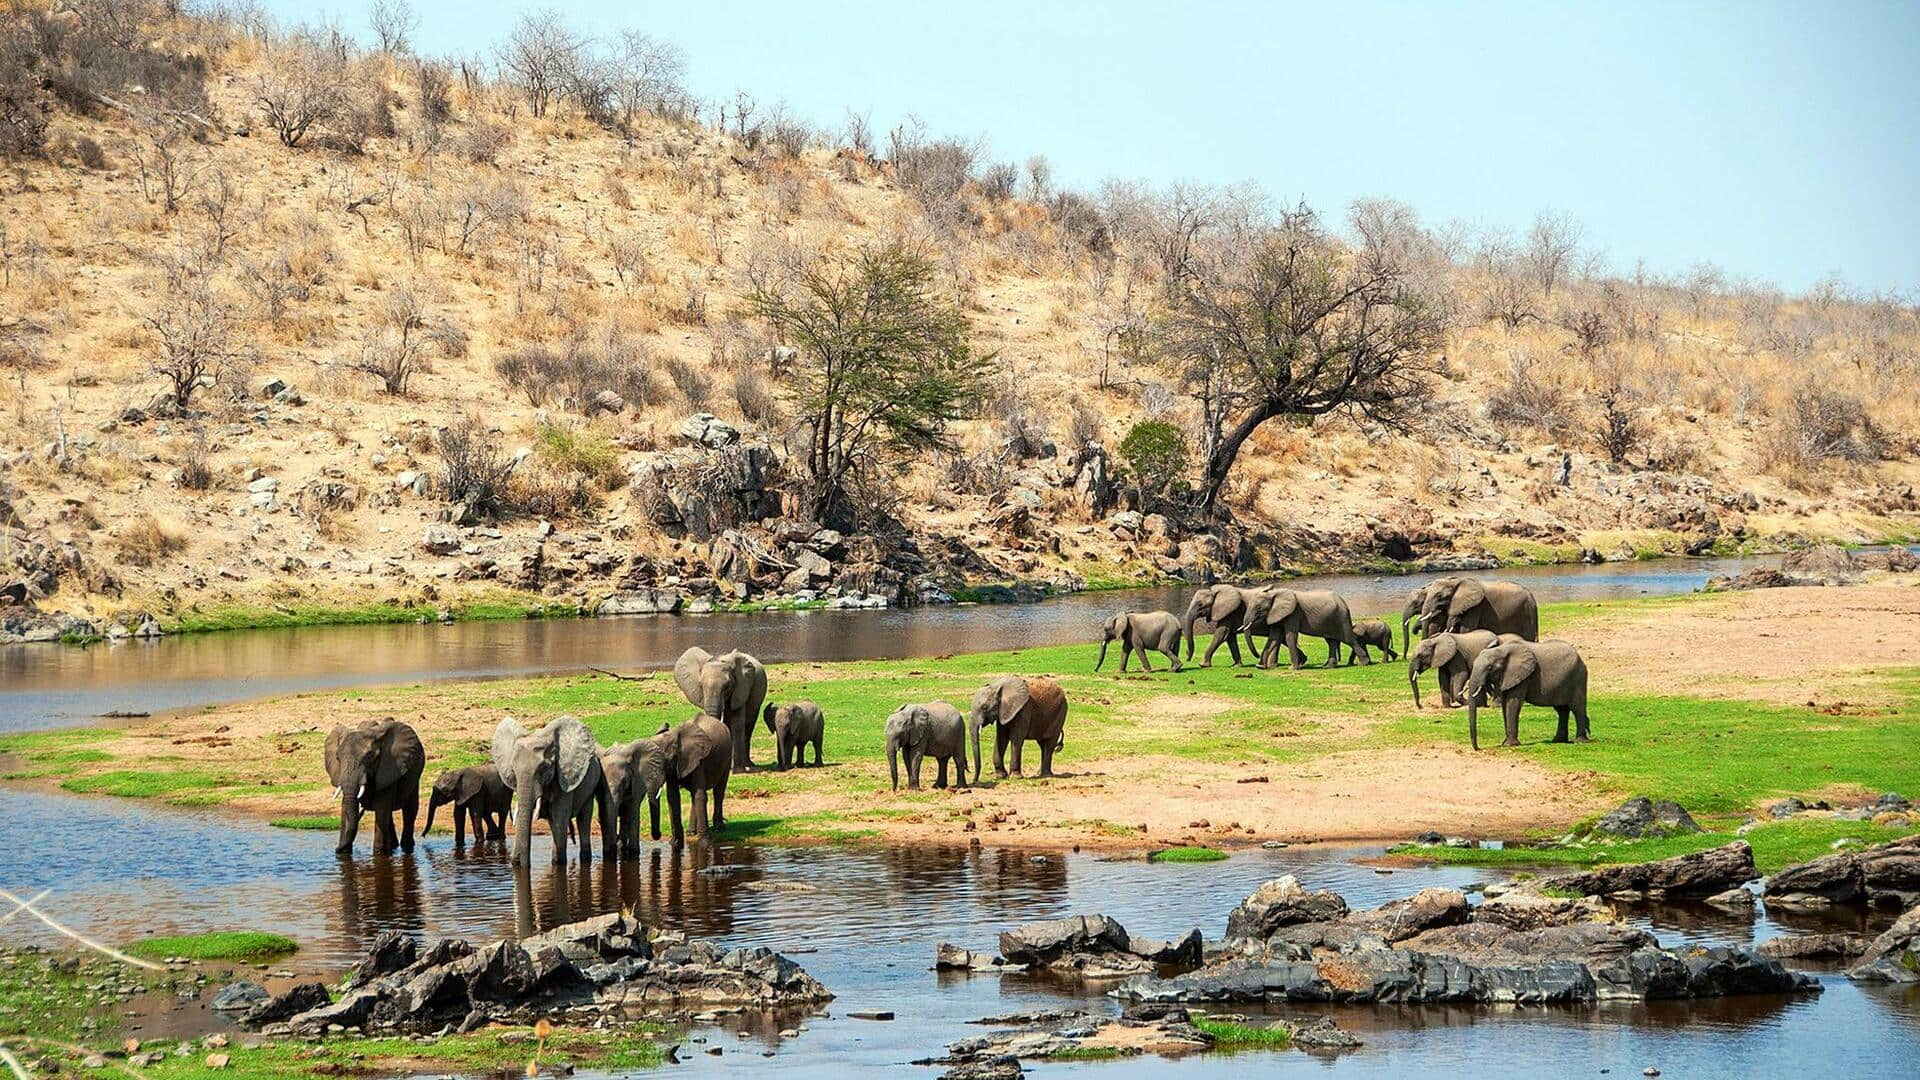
(1020,710)
(1528,673)
(477,795)
(1142,631)
(1410,618)
(1451,657)
(557,767)
(731,688)
(376,765)
(1287,614)
(1453,604)
(917,732)
(1225,606)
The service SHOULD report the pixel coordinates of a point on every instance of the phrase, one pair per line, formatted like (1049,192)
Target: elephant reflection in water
(381,893)
(1002,874)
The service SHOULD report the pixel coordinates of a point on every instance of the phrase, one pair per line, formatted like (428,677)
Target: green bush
(1155,453)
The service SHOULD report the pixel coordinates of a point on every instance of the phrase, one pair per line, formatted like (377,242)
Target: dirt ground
(1786,646)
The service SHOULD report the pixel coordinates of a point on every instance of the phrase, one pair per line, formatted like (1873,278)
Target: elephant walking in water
(477,795)
(1020,709)
(557,768)
(376,765)
(730,688)
(1531,673)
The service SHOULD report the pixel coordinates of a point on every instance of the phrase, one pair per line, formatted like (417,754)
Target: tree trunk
(1220,462)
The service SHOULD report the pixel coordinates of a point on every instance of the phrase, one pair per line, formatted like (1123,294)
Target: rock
(1737,899)
(1701,873)
(1041,943)
(870,1014)
(264,483)
(608,401)
(218,1061)
(1279,903)
(708,430)
(410,480)
(1321,1033)
(301,998)
(269,388)
(1643,817)
(1126,522)
(1521,910)
(390,952)
(1825,562)
(1885,874)
(1786,808)
(1184,950)
(1834,946)
(440,540)
(239,996)
(954,958)
(1893,956)
(642,602)
(814,565)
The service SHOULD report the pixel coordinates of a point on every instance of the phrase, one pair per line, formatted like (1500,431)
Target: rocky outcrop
(1883,875)
(1643,817)
(1083,946)
(1702,873)
(1893,956)
(1836,946)
(403,985)
(1433,949)
(1279,903)
(1071,1034)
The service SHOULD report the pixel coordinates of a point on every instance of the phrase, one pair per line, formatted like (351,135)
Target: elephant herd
(561,775)
(1481,638)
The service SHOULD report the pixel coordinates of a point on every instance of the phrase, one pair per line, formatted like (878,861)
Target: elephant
(916,731)
(557,767)
(1156,631)
(476,794)
(1375,633)
(1453,604)
(1410,616)
(1020,709)
(1452,655)
(696,757)
(1225,606)
(632,771)
(1289,613)
(730,688)
(1532,673)
(794,725)
(376,765)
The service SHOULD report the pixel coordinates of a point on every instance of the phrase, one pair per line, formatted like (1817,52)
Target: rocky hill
(240,356)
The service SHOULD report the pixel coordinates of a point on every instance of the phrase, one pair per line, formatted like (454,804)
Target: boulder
(1893,956)
(642,602)
(708,430)
(440,540)
(1701,873)
(1282,902)
(1842,945)
(1824,562)
(1184,950)
(1886,874)
(1643,817)
(609,402)
(1521,910)
(301,998)
(1041,943)
(814,565)
(240,996)
(389,952)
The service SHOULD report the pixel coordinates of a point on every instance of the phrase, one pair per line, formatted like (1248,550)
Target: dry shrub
(195,469)
(573,374)
(476,469)
(483,141)
(1820,425)
(1529,399)
(753,393)
(693,382)
(145,541)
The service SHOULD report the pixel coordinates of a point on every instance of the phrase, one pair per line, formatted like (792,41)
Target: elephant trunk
(1473,721)
(973,725)
(523,820)
(1186,624)
(1413,680)
(349,816)
(433,803)
(1406,631)
(1104,642)
(893,759)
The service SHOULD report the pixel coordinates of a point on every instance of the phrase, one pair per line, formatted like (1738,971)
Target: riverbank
(1721,701)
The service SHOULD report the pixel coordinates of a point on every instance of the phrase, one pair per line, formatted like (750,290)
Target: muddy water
(45,685)
(868,930)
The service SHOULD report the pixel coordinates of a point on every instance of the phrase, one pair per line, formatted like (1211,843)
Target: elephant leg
(1173,655)
(583,830)
(819,742)
(940,781)
(1046,759)
(1015,748)
(384,826)
(1000,751)
(408,811)
(1511,707)
(1581,732)
(1333,654)
(460,827)
(1206,659)
(1126,653)
(913,772)
(1560,726)
(673,813)
(559,823)
(719,794)
(700,825)
(1145,664)
(1233,646)
(1294,652)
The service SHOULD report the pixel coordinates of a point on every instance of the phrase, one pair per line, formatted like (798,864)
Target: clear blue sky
(1780,140)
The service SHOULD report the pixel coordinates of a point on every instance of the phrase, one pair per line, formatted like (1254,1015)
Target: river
(51,686)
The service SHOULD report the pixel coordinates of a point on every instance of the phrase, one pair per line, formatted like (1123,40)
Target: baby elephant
(917,731)
(1376,633)
(794,725)
(1142,632)
(1532,673)
(477,795)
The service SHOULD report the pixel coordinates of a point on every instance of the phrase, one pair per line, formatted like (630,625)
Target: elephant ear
(691,746)
(686,672)
(1013,695)
(1284,603)
(471,785)
(573,752)
(392,737)
(1225,603)
(1469,595)
(1445,648)
(1521,665)
(331,752)
(509,732)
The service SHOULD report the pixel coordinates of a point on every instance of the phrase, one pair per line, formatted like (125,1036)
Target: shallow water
(120,870)
(48,685)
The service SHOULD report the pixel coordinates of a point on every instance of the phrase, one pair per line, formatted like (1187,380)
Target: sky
(1780,141)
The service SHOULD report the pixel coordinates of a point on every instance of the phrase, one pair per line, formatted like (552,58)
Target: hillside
(568,290)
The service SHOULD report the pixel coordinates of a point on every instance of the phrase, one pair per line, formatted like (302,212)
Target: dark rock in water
(1003,1067)
(1070,1035)
(389,952)
(1282,902)
(239,996)
(1086,946)
(1739,900)
(1893,956)
(1321,1033)
(1701,873)
(1184,950)
(1836,946)
(1643,817)
(1884,875)
(1042,943)
(1393,921)
(292,1002)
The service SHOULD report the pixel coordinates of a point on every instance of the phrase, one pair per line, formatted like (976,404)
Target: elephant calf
(795,725)
(1533,673)
(477,795)
(1451,656)
(376,765)
(1375,633)
(916,732)
(1142,631)
(1021,710)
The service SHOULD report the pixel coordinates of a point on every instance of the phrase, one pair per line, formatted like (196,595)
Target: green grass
(1086,1053)
(145,784)
(1228,1035)
(1775,844)
(216,617)
(314,823)
(491,1051)
(1187,855)
(218,945)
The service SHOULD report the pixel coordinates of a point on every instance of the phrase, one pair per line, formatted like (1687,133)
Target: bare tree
(170,163)
(1283,320)
(393,350)
(1553,244)
(646,76)
(393,23)
(540,56)
(304,85)
(193,326)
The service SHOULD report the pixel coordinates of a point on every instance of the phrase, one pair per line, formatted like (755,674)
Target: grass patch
(1230,1035)
(212,618)
(1187,854)
(140,784)
(1775,844)
(1085,1053)
(494,1051)
(218,945)
(313,823)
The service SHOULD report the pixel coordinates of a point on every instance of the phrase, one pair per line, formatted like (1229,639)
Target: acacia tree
(1283,320)
(884,362)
